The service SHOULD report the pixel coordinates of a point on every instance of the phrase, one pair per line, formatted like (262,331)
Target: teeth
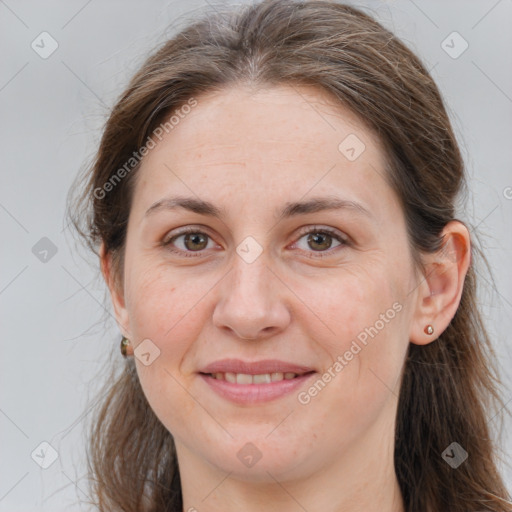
(244,378)
(230,377)
(261,379)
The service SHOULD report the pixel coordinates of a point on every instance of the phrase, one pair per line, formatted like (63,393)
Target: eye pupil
(316,238)
(197,241)
(195,238)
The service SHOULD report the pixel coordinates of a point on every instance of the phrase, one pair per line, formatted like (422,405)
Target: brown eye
(188,242)
(319,241)
(195,241)
(316,241)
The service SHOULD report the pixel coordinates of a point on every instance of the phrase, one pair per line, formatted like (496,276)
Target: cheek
(164,306)
(351,302)
(165,309)
(364,325)
(365,355)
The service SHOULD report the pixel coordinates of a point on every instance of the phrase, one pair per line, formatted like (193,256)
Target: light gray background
(53,340)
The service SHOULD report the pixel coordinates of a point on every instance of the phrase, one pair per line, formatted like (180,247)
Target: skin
(249,151)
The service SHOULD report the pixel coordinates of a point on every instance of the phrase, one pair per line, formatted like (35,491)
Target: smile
(246,389)
(244,378)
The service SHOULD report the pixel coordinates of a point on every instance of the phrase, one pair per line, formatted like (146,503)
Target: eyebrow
(291,209)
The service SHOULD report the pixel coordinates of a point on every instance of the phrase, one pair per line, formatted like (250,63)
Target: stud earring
(126,347)
(429,329)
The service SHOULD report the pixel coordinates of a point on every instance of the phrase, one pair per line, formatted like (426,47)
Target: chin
(260,458)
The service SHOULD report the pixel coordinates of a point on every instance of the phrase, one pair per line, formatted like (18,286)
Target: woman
(273,207)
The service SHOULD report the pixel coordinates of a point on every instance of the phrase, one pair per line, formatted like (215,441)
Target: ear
(440,288)
(116,292)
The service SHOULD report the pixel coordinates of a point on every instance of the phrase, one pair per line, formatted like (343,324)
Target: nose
(252,302)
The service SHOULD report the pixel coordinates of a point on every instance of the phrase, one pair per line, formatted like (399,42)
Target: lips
(267,366)
(246,378)
(246,383)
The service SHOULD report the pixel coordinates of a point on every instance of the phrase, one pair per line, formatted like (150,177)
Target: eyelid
(343,239)
(336,234)
(323,229)
(186,229)
(167,240)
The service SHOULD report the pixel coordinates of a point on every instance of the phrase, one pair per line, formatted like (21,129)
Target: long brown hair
(450,385)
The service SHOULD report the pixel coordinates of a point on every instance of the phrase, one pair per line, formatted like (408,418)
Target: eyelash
(344,242)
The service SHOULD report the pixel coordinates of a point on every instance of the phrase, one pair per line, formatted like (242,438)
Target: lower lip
(255,393)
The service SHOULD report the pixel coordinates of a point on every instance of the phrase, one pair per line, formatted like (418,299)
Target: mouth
(261,378)
(254,382)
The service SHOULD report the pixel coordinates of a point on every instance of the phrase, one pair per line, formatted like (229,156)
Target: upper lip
(255,367)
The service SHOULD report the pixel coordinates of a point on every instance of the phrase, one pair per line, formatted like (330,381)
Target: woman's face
(272,274)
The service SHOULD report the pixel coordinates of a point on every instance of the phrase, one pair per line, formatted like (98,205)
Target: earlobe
(440,289)
(116,292)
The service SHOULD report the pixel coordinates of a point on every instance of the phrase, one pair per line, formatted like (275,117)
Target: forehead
(242,119)
(266,141)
